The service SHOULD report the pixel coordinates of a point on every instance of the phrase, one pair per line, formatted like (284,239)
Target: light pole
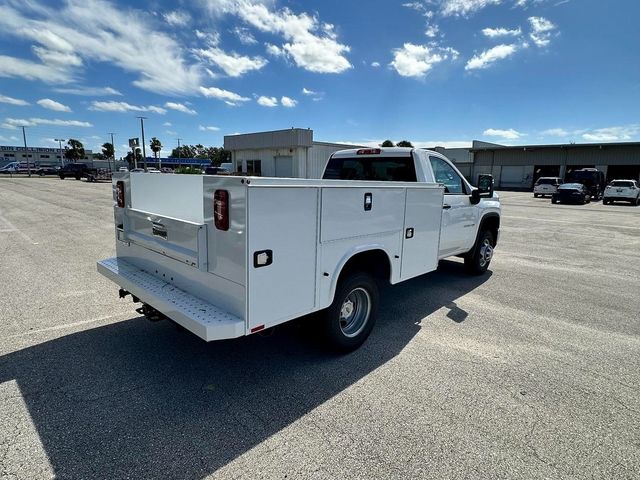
(26,150)
(113,147)
(178,151)
(144,150)
(60,140)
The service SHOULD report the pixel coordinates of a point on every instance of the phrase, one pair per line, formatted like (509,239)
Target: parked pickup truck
(227,256)
(82,170)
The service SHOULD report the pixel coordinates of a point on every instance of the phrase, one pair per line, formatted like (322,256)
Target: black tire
(78,177)
(477,260)
(535,195)
(61,177)
(554,201)
(605,201)
(357,298)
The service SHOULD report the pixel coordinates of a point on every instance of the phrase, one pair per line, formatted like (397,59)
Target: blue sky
(432,71)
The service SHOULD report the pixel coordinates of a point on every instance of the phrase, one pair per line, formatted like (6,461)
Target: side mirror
(484,190)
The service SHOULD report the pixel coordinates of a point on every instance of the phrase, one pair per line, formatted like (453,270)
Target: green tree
(404,143)
(75,151)
(387,143)
(184,151)
(129,158)
(156,146)
(107,150)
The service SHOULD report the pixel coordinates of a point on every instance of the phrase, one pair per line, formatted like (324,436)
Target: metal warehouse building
(280,153)
(519,167)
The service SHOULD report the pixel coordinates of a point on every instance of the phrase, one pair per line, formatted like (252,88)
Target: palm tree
(156,146)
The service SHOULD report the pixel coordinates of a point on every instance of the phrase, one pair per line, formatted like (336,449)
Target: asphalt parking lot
(530,371)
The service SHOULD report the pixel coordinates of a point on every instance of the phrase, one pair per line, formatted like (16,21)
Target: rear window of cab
(381,169)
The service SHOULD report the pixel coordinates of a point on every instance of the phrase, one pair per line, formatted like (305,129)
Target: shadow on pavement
(138,399)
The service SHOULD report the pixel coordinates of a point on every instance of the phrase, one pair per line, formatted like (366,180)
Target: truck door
(458,214)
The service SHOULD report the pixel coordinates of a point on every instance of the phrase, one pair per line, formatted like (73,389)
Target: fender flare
(348,256)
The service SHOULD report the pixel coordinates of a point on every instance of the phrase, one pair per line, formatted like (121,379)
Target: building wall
(37,155)
(507,164)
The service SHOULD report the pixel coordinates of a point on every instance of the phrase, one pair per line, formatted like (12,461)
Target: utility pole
(60,140)
(24,137)
(113,147)
(178,150)
(144,150)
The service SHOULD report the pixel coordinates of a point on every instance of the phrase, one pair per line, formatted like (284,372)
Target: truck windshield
(381,169)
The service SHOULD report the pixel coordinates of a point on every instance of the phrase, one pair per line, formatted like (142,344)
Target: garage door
(512,176)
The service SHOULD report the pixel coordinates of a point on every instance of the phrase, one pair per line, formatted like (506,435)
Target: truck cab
(463,211)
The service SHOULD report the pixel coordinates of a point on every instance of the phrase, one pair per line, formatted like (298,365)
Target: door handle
(446,206)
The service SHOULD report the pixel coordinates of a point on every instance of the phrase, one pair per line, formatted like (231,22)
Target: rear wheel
(535,195)
(350,318)
(553,200)
(477,261)
(61,177)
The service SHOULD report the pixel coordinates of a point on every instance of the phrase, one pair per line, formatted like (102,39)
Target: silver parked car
(546,186)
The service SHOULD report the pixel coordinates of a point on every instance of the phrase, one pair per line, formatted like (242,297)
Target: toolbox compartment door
(181,240)
(281,257)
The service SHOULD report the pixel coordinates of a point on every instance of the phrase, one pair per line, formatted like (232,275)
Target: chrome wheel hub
(355,312)
(486,252)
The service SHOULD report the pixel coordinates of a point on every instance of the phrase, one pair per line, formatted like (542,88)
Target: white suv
(622,190)
(546,186)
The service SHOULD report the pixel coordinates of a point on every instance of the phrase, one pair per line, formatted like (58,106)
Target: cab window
(383,169)
(447,176)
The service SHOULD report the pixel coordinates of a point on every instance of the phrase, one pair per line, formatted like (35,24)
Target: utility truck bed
(228,256)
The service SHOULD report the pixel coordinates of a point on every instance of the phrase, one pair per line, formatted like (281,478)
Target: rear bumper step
(199,317)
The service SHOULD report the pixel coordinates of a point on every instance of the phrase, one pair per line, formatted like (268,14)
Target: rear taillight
(221,210)
(120,193)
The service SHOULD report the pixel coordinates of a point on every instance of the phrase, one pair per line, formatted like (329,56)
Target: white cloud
(53,105)
(204,128)
(112,106)
(417,60)
(180,107)
(306,91)
(12,138)
(13,101)
(288,102)
(491,56)
(541,31)
(20,68)
(312,44)
(230,98)
(432,31)
(177,18)
(464,8)
(13,123)
(167,124)
(556,132)
(97,31)
(509,134)
(233,64)
(501,32)
(267,101)
(613,134)
(244,35)
(89,91)
(375,64)
(275,51)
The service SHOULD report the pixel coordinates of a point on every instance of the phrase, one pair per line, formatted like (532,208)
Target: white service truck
(227,256)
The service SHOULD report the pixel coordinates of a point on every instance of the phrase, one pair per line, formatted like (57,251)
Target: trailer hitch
(150,313)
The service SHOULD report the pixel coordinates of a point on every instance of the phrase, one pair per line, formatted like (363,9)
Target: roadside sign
(134,142)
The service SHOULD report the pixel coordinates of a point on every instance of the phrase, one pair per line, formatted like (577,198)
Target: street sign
(134,142)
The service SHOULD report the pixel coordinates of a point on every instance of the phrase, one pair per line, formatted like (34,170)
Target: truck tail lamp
(120,193)
(369,151)
(221,210)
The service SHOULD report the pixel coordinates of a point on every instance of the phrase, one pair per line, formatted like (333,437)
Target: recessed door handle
(446,206)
